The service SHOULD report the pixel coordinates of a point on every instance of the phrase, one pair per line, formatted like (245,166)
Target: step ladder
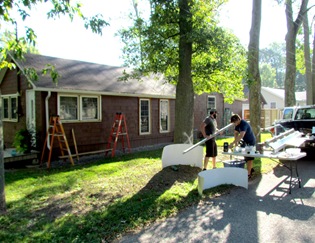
(118,132)
(55,129)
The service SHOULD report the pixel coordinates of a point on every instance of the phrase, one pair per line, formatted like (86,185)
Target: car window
(311,111)
(287,114)
(305,113)
(300,114)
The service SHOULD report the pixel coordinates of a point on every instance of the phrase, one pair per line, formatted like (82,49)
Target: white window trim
(215,103)
(168,116)
(10,108)
(149,115)
(79,105)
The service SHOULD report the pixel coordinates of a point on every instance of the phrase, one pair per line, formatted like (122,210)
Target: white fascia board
(105,93)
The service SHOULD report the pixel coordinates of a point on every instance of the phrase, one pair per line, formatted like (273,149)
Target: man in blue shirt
(243,131)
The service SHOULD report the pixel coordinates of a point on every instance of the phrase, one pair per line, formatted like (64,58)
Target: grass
(99,201)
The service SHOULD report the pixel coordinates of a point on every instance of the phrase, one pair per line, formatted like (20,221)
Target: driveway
(266,212)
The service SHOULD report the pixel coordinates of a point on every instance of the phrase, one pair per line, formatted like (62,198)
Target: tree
(181,39)
(184,87)
(274,55)
(307,60)
(268,75)
(254,81)
(18,46)
(292,30)
(10,38)
(313,67)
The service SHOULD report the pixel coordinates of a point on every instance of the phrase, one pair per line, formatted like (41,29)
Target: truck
(302,119)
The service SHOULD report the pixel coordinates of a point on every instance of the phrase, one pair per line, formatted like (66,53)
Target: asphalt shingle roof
(98,78)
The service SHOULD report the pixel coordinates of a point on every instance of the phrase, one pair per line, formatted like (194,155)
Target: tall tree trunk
(307,60)
(2,192)
(292,29)
(184,113)
(313,68)
(254,81)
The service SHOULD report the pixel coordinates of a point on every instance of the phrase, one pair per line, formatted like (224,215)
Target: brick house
(87,97)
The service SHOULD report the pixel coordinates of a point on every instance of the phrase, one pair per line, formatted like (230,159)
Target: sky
(70,40)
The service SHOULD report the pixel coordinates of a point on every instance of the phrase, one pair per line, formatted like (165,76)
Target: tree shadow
(57,219)
(265,212)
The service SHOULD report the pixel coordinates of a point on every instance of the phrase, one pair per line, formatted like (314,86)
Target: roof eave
(104,93)
(22,70)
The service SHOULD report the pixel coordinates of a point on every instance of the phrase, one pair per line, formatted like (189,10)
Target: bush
(23,141)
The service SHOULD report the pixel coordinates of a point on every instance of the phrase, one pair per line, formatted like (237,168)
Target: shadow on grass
(57,220)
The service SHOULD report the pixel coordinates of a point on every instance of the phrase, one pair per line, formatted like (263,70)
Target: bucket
(234,163)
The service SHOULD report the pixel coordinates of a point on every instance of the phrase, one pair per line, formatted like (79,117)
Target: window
(288,113)
(211,104)
(89,108)
(305,113)
(68,108)
(273,105)
(144,116)
(10,107)
(164,115)
(79,108)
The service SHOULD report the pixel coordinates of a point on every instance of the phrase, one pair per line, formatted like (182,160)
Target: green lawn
(100,200)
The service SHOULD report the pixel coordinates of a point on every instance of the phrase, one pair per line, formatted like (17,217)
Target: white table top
(269,154)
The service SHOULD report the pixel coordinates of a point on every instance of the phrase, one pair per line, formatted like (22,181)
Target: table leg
(297,173)
(290,186)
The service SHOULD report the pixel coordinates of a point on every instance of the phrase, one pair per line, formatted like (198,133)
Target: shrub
(23,141)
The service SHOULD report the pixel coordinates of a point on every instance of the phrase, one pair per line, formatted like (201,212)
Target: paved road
(266,212)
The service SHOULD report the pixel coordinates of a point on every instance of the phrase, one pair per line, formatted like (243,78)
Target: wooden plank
(21,157)
(86,153)
(75,144)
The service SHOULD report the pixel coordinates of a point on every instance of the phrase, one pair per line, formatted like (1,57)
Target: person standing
(207,128)
(243,132)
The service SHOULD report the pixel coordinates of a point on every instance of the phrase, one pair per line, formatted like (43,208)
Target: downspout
(47,117)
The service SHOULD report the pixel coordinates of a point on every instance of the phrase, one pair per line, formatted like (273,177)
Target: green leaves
(96,23)
(31,74)
(31,36)
(63,7)
(20,45)
(50,69)
(218,61)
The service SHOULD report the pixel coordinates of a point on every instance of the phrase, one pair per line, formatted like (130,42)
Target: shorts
(211,148)
(248,158)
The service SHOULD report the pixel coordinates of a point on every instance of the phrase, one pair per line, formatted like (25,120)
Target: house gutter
(86,92)
(47,117)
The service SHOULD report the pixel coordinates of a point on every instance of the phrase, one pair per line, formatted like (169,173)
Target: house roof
(78,76)
(299,96)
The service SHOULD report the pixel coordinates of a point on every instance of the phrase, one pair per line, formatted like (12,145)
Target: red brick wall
(10,85)
(92,136)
